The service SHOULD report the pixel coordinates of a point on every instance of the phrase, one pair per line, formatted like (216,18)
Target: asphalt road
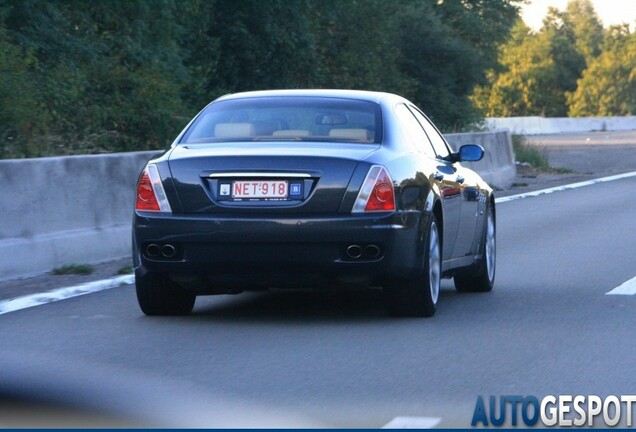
(337,360)
(603,153)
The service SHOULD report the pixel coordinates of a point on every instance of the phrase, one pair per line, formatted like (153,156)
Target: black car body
(311,188)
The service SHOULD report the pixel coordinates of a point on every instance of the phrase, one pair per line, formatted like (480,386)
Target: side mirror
(470,153)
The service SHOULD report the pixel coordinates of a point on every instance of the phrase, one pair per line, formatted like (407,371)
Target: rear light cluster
(150,193)
(377,193)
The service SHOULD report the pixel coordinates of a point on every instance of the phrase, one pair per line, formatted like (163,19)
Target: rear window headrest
(352,134)
(233,130)
(291,132)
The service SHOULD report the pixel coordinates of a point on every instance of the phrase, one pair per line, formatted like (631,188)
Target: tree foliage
(537,71)
(608,85)
(571,66)
(522,88)
(89,77)
(78,77)
(446,49)
(96,82)
(586,27)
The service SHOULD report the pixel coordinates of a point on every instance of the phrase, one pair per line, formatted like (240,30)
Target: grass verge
(74,269)
(526,153)
(125,270)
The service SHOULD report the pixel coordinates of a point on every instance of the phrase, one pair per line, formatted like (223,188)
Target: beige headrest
(233,130)
(353,134)
(291,132)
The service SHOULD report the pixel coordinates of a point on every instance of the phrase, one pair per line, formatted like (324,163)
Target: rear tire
(482,277)
(418,297)
(158,295)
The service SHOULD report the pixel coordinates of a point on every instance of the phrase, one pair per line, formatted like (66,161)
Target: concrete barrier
(498,165)
(62,210)
(78,209)
(542,125)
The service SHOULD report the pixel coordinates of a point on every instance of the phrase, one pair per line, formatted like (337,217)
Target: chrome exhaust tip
(371,251)
(354,251)
(168,251)
(153,250)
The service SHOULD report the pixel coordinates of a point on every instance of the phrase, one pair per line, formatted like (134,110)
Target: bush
(526,153)
(73,269)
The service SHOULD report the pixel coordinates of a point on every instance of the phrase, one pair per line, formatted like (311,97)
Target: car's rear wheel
(481,278)
(419,296)
(158,295)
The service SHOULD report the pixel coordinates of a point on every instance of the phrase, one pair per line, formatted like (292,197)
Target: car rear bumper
(259,252)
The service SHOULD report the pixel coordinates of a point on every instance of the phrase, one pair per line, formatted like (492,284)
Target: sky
(609,11)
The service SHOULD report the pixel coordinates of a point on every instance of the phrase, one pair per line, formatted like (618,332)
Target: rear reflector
(377,193)
(150,193)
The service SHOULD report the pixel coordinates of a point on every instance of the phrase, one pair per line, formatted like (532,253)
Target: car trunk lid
(291,178)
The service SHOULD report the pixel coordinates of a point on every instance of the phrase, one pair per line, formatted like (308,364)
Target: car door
(464,184)
(441,174)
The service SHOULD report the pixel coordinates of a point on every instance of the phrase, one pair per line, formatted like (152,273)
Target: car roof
(371,96)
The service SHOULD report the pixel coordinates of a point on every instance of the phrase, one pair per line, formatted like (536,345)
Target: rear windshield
(287,118)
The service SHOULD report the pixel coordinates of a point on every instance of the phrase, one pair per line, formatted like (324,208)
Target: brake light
(150,193)
(377,192)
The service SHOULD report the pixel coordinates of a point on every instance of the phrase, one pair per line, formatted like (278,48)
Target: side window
(417,136)
(441,149)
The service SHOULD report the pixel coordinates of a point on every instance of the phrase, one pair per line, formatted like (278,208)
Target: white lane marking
(626,288)
(28,301)
(565,187)
(412,423)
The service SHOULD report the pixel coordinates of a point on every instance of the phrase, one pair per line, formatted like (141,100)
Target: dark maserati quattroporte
(310,189)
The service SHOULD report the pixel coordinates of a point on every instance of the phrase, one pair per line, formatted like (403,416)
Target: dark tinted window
(441,149)
(288,118)
(414,131)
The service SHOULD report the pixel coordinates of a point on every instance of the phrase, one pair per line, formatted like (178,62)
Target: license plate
(260,189)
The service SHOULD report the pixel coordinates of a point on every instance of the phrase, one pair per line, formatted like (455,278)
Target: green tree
(521,89)
(558,33)
(365,58)
(537,71)
(586,27)
(19,92)
(431,53)
(80,77)
(446,48)
(199,50)
(608,85)
(260,45)
(108,76)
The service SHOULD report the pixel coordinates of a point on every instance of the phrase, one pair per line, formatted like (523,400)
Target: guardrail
(78,209)
(555,125)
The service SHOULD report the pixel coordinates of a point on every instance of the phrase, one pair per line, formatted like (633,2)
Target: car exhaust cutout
(371,251)
(153,250)
(354,251)
(168,251)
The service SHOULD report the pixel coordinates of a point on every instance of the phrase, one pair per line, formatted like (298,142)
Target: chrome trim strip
(157,187)
(259,174)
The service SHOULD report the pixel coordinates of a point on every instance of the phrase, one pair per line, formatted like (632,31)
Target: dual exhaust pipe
(154,250)
(370,251)
(354,251)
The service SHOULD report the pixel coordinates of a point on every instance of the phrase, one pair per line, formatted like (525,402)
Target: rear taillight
(150,193)
(377,193)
